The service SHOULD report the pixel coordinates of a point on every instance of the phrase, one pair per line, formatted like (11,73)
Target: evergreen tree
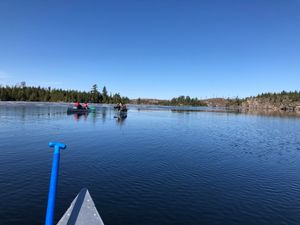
(95,94)
(104,95)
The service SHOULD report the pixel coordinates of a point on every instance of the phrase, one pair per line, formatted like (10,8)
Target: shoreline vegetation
(39,94)
(266,102)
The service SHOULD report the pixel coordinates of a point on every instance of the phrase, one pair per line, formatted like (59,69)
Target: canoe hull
(82,211)
(72,110)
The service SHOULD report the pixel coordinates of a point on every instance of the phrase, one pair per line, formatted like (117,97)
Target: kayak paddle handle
(57,145)
(53,181)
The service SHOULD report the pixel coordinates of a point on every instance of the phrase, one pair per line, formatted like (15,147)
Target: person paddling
(124,107)
(85,106)
(77,105)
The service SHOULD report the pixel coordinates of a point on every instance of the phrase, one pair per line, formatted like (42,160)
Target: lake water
(155,167)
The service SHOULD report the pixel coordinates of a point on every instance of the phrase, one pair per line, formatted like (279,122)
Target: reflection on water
(266,112)
(120,119)
(77,116)
(101,113)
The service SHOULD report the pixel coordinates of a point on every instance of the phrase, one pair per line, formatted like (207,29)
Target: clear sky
(153,48)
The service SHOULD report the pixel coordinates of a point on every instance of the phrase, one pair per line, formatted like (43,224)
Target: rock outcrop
(271,104)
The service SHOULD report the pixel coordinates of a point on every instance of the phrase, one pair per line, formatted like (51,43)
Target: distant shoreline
(178,109)
(32,102)
(272,102)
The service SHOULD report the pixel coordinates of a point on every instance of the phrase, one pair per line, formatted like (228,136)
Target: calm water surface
(155,167)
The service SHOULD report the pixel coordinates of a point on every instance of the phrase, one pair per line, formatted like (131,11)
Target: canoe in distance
(75,110)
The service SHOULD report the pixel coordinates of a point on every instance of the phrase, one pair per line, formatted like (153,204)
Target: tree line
(187,100)
(283,97)
(293,96)
(181,100)
(29,93)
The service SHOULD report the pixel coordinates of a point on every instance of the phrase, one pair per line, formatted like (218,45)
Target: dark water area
(157,166)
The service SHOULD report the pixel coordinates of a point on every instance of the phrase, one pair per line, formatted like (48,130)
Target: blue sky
(155,48)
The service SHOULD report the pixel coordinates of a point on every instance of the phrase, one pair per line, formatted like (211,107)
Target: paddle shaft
(53,183)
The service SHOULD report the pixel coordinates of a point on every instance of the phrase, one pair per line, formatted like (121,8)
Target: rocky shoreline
(266,105)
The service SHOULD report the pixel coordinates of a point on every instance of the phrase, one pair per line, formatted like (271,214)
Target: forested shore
(283,101)
(268,102)
(22,92)
(40,94)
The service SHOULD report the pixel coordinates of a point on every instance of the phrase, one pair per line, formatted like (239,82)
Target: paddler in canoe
(118,106)
(85,106)
(78,108)
(121,107)
(77,105)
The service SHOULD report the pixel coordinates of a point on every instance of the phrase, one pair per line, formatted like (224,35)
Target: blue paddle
(53,181)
